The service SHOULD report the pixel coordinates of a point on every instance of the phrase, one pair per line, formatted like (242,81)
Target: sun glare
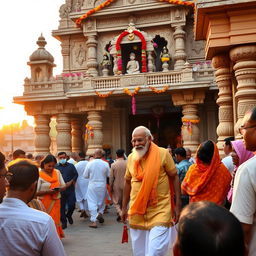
(13,113)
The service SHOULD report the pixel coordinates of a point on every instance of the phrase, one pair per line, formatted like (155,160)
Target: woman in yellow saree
(50,184)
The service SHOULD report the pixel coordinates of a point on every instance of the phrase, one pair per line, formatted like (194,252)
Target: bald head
(142,130)
(98,153)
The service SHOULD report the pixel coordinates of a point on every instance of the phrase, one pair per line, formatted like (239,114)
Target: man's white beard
(140,151)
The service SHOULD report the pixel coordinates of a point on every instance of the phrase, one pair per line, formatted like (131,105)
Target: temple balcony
(66,86)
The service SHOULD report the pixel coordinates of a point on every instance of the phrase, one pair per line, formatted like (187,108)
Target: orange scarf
(199,180)
(54,179)
(147,195)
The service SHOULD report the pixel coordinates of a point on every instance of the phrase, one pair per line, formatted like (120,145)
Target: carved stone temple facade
(94,101)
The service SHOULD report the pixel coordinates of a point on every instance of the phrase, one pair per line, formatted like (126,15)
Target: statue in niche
(132,66)
(165,58)
(106,63)
(80,55)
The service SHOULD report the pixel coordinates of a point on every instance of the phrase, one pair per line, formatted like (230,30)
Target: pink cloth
(241,151)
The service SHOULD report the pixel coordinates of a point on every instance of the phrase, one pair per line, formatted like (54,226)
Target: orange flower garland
(92,11)
(128,92)
(188,124)
(108,2)
(88,131)
(159,91)
(104,95)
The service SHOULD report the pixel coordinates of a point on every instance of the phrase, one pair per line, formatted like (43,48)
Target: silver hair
(147,131)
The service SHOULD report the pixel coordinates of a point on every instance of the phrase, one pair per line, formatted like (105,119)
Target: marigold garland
(128,92)
(159,91)
(104,95)
(187,123)
(108,2)
(192,121)
(88,131)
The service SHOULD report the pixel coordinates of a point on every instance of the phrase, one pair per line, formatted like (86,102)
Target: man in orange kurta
(149,169)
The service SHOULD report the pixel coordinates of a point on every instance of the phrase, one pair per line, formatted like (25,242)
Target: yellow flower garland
(104,95)
(128,92)
(192,121)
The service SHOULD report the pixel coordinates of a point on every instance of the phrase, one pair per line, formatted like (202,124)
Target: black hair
(2,161)
(48,159)
(228,141)
(29,156)
(208,229)
(81,154)
(180,151)
(120,152)
(253,115)
(17,153)
(205,152)
(62,153)
(24,174)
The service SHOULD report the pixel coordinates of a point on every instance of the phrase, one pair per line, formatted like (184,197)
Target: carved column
(92,63)
(223,79)
(76,132)
(63,128)
(42,137)
(95,141)
(116,128)
(150,62)
(65,51)
(245,73)
(190,137)
(180,54)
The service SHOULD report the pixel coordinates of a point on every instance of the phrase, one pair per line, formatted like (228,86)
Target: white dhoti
(157,241)
(81,193)
(96,199)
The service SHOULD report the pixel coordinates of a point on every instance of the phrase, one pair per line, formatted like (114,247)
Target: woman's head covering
(242,152)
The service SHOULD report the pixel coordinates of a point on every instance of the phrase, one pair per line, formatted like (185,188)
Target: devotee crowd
(174,203)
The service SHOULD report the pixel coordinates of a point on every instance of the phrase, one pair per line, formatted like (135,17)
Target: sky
(22,22)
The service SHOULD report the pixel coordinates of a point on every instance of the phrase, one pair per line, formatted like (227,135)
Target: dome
(41,53)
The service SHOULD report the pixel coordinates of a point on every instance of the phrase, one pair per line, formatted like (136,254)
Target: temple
(136,62)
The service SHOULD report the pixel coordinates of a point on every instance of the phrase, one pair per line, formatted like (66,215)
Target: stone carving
(132,66)
(106,64)
(64,10)
(80,55)
(165,58)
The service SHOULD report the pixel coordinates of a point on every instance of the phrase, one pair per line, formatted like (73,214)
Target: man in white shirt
(227,148)
(97,172)
(244,194)
(81,186)
(23,230)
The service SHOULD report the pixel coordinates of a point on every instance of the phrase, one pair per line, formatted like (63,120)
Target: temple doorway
(165,128)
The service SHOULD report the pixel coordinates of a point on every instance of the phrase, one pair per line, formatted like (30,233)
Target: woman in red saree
(208,179)
(50,184)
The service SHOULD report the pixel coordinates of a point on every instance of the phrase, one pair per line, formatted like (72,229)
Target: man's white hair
(147,131)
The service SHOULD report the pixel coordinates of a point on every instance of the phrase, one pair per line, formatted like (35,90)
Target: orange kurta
(207,183)
(52,202)
(158,214)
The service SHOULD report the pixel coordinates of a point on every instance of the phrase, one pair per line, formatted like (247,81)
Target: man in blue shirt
(182,168)
(69,174)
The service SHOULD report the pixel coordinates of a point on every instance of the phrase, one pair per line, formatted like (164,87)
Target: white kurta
(81,185)
(97,171)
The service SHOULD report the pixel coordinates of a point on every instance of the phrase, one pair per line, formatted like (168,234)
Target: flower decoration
(187,123)
(132,94)
(104,95)
(88,132)
(143,49)
(188,3)
(165,59)
(159,91)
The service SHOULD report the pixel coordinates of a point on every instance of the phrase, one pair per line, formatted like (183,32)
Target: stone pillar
(223,79)
(244,58)
(42,137)
(116,128)
(76,132)
(63,128)
(65,51)
(95,141)
(150,62)
(180,54)
(190,140)
(92,63)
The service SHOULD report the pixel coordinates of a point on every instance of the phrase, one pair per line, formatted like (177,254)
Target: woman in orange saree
(208,179)
(50,184)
